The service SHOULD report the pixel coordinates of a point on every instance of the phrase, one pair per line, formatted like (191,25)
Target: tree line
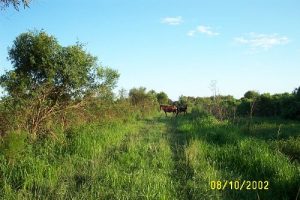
(285,105)
(54,84)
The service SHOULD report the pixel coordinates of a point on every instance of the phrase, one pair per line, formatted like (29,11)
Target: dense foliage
(286,105)
(162,98)
(48,79)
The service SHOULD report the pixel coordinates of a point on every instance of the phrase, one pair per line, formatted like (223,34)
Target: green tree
(48,78)
(290,105)
(152,96)
(143,101)
(138,95)
(251,94)
(296,93)
(107,80)
(162,98)
(123,95)
(265,105)
(183,100)
(244,107)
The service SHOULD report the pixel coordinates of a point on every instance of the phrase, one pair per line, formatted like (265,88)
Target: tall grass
(154,157)
(115,160)
(220,150)
(55,168)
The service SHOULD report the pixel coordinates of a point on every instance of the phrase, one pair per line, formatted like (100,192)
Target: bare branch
(15,3)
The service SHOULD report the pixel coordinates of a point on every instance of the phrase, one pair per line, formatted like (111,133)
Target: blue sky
(175,46)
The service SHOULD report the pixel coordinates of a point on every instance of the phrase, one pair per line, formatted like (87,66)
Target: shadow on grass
(182,172)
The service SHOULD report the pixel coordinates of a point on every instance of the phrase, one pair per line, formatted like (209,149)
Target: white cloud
(172,20)
(262,41)
(203,30)
(206,30)
(191,33)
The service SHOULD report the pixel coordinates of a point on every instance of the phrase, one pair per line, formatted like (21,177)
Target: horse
(167,108)
(182,108)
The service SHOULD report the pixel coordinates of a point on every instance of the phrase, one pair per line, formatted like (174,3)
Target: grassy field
(155,158)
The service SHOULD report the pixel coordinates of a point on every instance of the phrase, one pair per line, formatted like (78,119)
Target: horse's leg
(166,113)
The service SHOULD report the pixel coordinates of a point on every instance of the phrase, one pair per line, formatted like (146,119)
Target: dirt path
(149,162)
(181,173)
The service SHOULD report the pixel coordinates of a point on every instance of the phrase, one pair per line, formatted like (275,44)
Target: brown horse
(167,108)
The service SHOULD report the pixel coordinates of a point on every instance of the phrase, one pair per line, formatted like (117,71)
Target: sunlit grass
(153,158)
(223,151)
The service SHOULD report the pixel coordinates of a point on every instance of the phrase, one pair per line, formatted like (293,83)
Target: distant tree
(244,107)
(15,3)
(152,96)
(162,98)
(138,95)
(108,80)
(145,102)
(152,92)
(252,97)
(183,100)
(290,105)
(296,93)
(48,78)
(123,94)
(265,105)
(229,107)
(251,94)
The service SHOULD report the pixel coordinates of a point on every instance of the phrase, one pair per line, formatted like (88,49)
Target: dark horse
(182,108)
(167,108)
